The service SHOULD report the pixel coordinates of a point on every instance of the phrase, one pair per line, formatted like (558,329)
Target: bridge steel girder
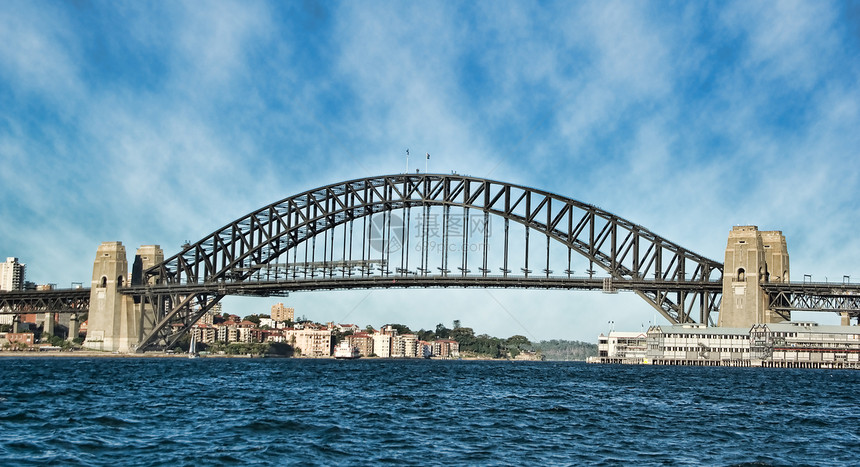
(45,301)
(626,251)
(838,298)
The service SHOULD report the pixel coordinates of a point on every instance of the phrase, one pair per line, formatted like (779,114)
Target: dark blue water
(62,411)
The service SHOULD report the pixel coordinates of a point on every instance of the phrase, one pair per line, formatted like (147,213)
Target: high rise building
(310,342)
(12,275)
(363,342)
(382,345)
(282,313)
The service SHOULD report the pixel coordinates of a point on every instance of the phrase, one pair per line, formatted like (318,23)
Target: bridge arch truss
(424,230)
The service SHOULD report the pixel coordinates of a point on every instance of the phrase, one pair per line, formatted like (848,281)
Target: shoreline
(99,354)
(86,353)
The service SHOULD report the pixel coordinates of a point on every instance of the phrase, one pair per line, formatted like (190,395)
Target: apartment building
(12,274)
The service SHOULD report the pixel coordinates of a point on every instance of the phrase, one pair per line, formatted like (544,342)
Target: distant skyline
(160,122)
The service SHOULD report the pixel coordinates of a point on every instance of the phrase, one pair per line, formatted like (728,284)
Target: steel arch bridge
(422,230)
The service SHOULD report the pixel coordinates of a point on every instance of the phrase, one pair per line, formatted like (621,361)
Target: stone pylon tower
(753,257)
(109,326)
(146,257)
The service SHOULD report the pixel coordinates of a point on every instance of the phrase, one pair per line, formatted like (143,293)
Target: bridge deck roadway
(817,296)
(266,288)
(813,288)
(41,301)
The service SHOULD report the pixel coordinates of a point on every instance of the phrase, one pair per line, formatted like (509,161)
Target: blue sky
(158,122)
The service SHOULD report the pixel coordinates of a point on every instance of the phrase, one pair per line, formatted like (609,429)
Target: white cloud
(38,56)
(680,120)
(787,40)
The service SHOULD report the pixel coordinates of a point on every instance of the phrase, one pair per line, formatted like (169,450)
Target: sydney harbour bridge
(408,231)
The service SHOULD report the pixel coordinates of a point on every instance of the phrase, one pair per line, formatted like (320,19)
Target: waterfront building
(233,331)
(425,349)
(363,342)
(26,338)
(208,318)
(804,344)
(382,345)
(344,328)
(226,331)
(272,324)
(204,333)
(397,346)
(407,346)
(245,332)
(706,345)
(275,335)
(622,345)
(283,313)
(12,274)
(446,348)
(309,342)
(259,335)
(787,344)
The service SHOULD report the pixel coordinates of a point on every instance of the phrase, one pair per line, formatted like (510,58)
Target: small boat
(344,351)
(192,348)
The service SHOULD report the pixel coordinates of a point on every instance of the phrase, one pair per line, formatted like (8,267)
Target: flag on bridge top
(428,155)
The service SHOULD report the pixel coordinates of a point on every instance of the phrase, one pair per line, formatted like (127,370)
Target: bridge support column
(753,257)
(73,328)
(110,328)
(48,326)
(144,311)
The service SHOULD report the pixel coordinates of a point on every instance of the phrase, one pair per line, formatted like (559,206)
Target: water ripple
(263,412)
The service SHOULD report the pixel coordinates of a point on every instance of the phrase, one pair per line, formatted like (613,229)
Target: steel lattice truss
(814,297)
(258,254)
(45,301)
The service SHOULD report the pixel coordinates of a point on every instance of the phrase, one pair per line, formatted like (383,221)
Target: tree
(281,349)
(462,334)
(426,335)
(442,332)
(456,324)
(400,328)
(566,350)
(518,341)
(254,319)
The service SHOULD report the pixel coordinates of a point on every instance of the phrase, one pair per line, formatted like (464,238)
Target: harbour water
(92,411)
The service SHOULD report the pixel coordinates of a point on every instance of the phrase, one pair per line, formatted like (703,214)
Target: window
(742,275)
